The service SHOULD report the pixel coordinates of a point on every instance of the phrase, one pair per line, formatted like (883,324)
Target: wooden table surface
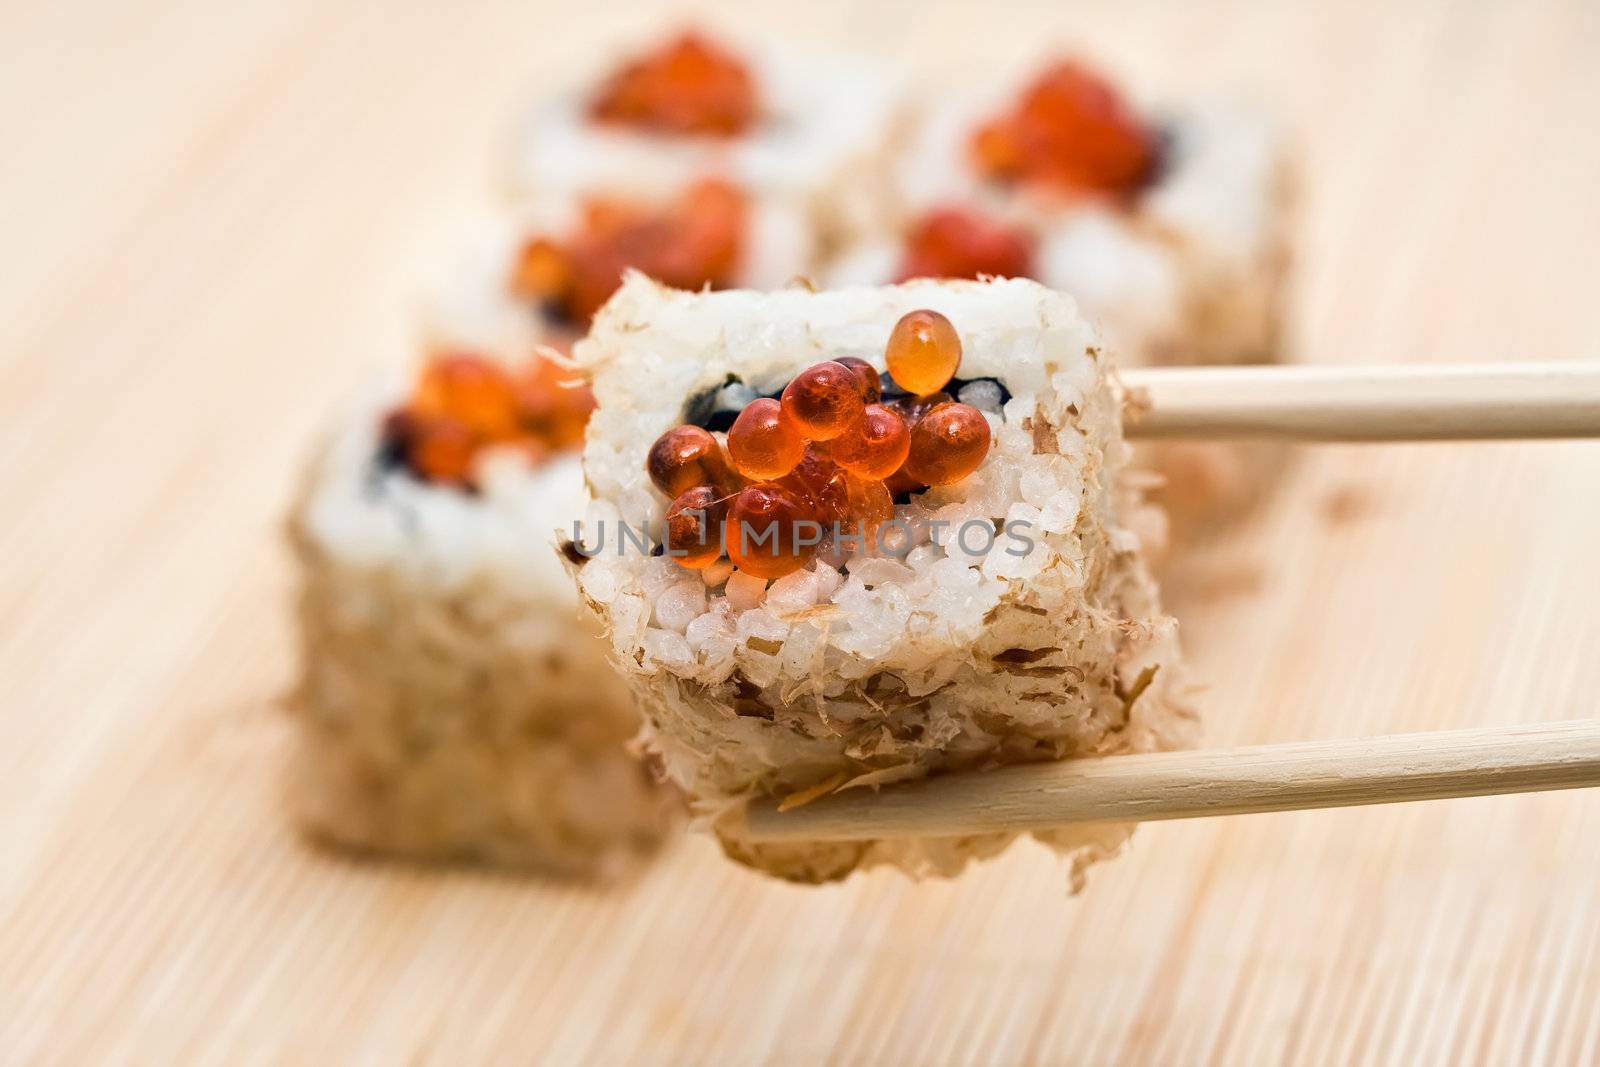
(211,213)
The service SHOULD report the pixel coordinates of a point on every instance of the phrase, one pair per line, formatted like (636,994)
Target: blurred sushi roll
(452,704)
(1169,226)
(799,134)
(893,543)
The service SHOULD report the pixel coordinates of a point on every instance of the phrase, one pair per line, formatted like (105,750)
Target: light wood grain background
(209,215)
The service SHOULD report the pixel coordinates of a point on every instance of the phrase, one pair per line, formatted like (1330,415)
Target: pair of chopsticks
(1346,403)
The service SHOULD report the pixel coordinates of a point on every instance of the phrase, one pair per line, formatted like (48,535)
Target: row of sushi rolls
(768,444)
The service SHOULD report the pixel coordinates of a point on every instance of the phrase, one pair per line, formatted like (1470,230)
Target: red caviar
(685,457)
(695,527)
(820,485)
(688,86)
(763,442)
(923,352)
(870,504)
(541,270)
(464,403)
(955,243)
(866,376)
(1070,131)
(441,449)
(876,446)
(901,482)
(553,404)
(948,444)
(826,460)
(470,389)
(770,532)
(690,243)
(823,401)
(911,409)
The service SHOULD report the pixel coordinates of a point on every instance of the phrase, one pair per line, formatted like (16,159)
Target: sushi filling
(1070,136)
(695,241)
(463,405)
(1069,133)
(690,86)
(817,469)
(953,242)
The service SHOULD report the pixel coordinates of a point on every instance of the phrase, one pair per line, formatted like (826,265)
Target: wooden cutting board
(210,213)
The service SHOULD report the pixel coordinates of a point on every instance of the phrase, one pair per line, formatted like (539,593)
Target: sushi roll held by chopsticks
(1169,226)
(892,545)
(452,704)
(796,132)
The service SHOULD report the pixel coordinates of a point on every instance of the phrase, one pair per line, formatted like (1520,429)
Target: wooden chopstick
(1194,784)
(1417,402)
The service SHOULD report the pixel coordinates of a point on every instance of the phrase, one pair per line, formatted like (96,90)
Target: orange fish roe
(464,403)
(688,86)
(475,391)
(911,409)
(870,504)
(954,243)
(876,446)
(923,352)
(553,404)
(827,462)
(820,485)
(900,482)
(440,449)
(693,242)
(541,271)
(763,442)
(823,401)
(948,444)
(694,527)
(685,457)
(1071,132)
(866,376)
(769,532)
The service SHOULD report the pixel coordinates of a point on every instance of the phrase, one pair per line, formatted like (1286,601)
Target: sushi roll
(1168,225)
(795,132)
(891,542)
(453,705)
